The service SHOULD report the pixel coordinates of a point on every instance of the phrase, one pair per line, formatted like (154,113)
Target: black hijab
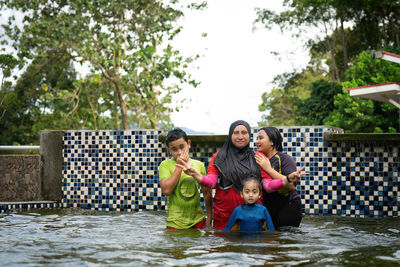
(234,164)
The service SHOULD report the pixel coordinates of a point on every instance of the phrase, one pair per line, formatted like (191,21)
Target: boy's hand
(181,163)
(184,156)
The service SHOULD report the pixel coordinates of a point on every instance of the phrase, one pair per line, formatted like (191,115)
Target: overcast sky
(237,65)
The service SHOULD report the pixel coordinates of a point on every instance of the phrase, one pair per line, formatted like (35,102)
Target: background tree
(314,109)
(371,25)
(126,43)
(282,101)
(355,114)
(32,106)
(316,16)
(7,64)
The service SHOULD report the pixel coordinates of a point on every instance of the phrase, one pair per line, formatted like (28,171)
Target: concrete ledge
(375,138)
(208,138)
(51,145)
(199,138)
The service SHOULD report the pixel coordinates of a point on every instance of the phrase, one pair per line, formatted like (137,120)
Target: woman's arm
(271,185)
(209,180)
(266,166)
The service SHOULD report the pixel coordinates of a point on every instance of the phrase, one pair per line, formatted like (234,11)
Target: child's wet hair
(254,178)
(174,135)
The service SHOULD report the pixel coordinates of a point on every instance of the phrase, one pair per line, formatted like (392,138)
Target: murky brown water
(69,237)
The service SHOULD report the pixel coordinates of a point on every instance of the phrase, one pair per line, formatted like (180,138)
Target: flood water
(69,237)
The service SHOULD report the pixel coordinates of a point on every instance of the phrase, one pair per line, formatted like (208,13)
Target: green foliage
(8,98)
(373,24)
(341,51)
(319,105)
(282,101)
(355,114)
(34,99)
(368,71)
(124,46)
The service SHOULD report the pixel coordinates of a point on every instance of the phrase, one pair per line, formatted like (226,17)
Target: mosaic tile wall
(346,178)
(118,171)
(6,207)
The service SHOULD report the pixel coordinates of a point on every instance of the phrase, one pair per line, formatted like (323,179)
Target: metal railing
(19,147)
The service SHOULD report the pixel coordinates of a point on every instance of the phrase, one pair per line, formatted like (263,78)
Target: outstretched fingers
(183,167)
(296,176)
(182,164)
(300,173)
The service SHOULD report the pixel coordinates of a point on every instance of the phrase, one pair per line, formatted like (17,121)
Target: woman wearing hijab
(228,167)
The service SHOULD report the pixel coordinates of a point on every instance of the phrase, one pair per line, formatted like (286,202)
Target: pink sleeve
(271,185)
(210,180)
(212,174)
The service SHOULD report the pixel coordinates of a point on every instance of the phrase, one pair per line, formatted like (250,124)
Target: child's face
(178,147)
(250,192)
(263,143)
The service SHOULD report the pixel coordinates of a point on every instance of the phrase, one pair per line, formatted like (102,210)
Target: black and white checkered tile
(118,171)
(352,179)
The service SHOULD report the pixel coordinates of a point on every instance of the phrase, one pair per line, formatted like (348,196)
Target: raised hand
(296,176)
(188,169)
(263,161)
(185,156)
(182,163)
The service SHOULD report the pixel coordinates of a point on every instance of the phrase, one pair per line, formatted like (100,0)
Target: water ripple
(73,237)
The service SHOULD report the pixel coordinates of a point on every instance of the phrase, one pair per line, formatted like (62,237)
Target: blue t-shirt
(250,217)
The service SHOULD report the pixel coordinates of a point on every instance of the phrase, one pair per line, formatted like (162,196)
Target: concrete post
(51,146)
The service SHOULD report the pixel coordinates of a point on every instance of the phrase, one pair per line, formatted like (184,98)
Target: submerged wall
(360,175)
(118,170)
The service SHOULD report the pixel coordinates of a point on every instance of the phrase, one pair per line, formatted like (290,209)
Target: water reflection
(80,237)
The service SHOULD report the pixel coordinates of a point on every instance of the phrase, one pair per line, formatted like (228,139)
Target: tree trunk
(122,104)
(344,46)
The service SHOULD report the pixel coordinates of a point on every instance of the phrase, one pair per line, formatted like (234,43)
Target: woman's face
(263,143)
(240,136)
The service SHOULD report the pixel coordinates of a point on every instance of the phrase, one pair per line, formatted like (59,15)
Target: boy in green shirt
(183,197)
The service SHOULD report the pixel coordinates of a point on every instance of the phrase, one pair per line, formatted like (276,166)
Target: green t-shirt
(184,209)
